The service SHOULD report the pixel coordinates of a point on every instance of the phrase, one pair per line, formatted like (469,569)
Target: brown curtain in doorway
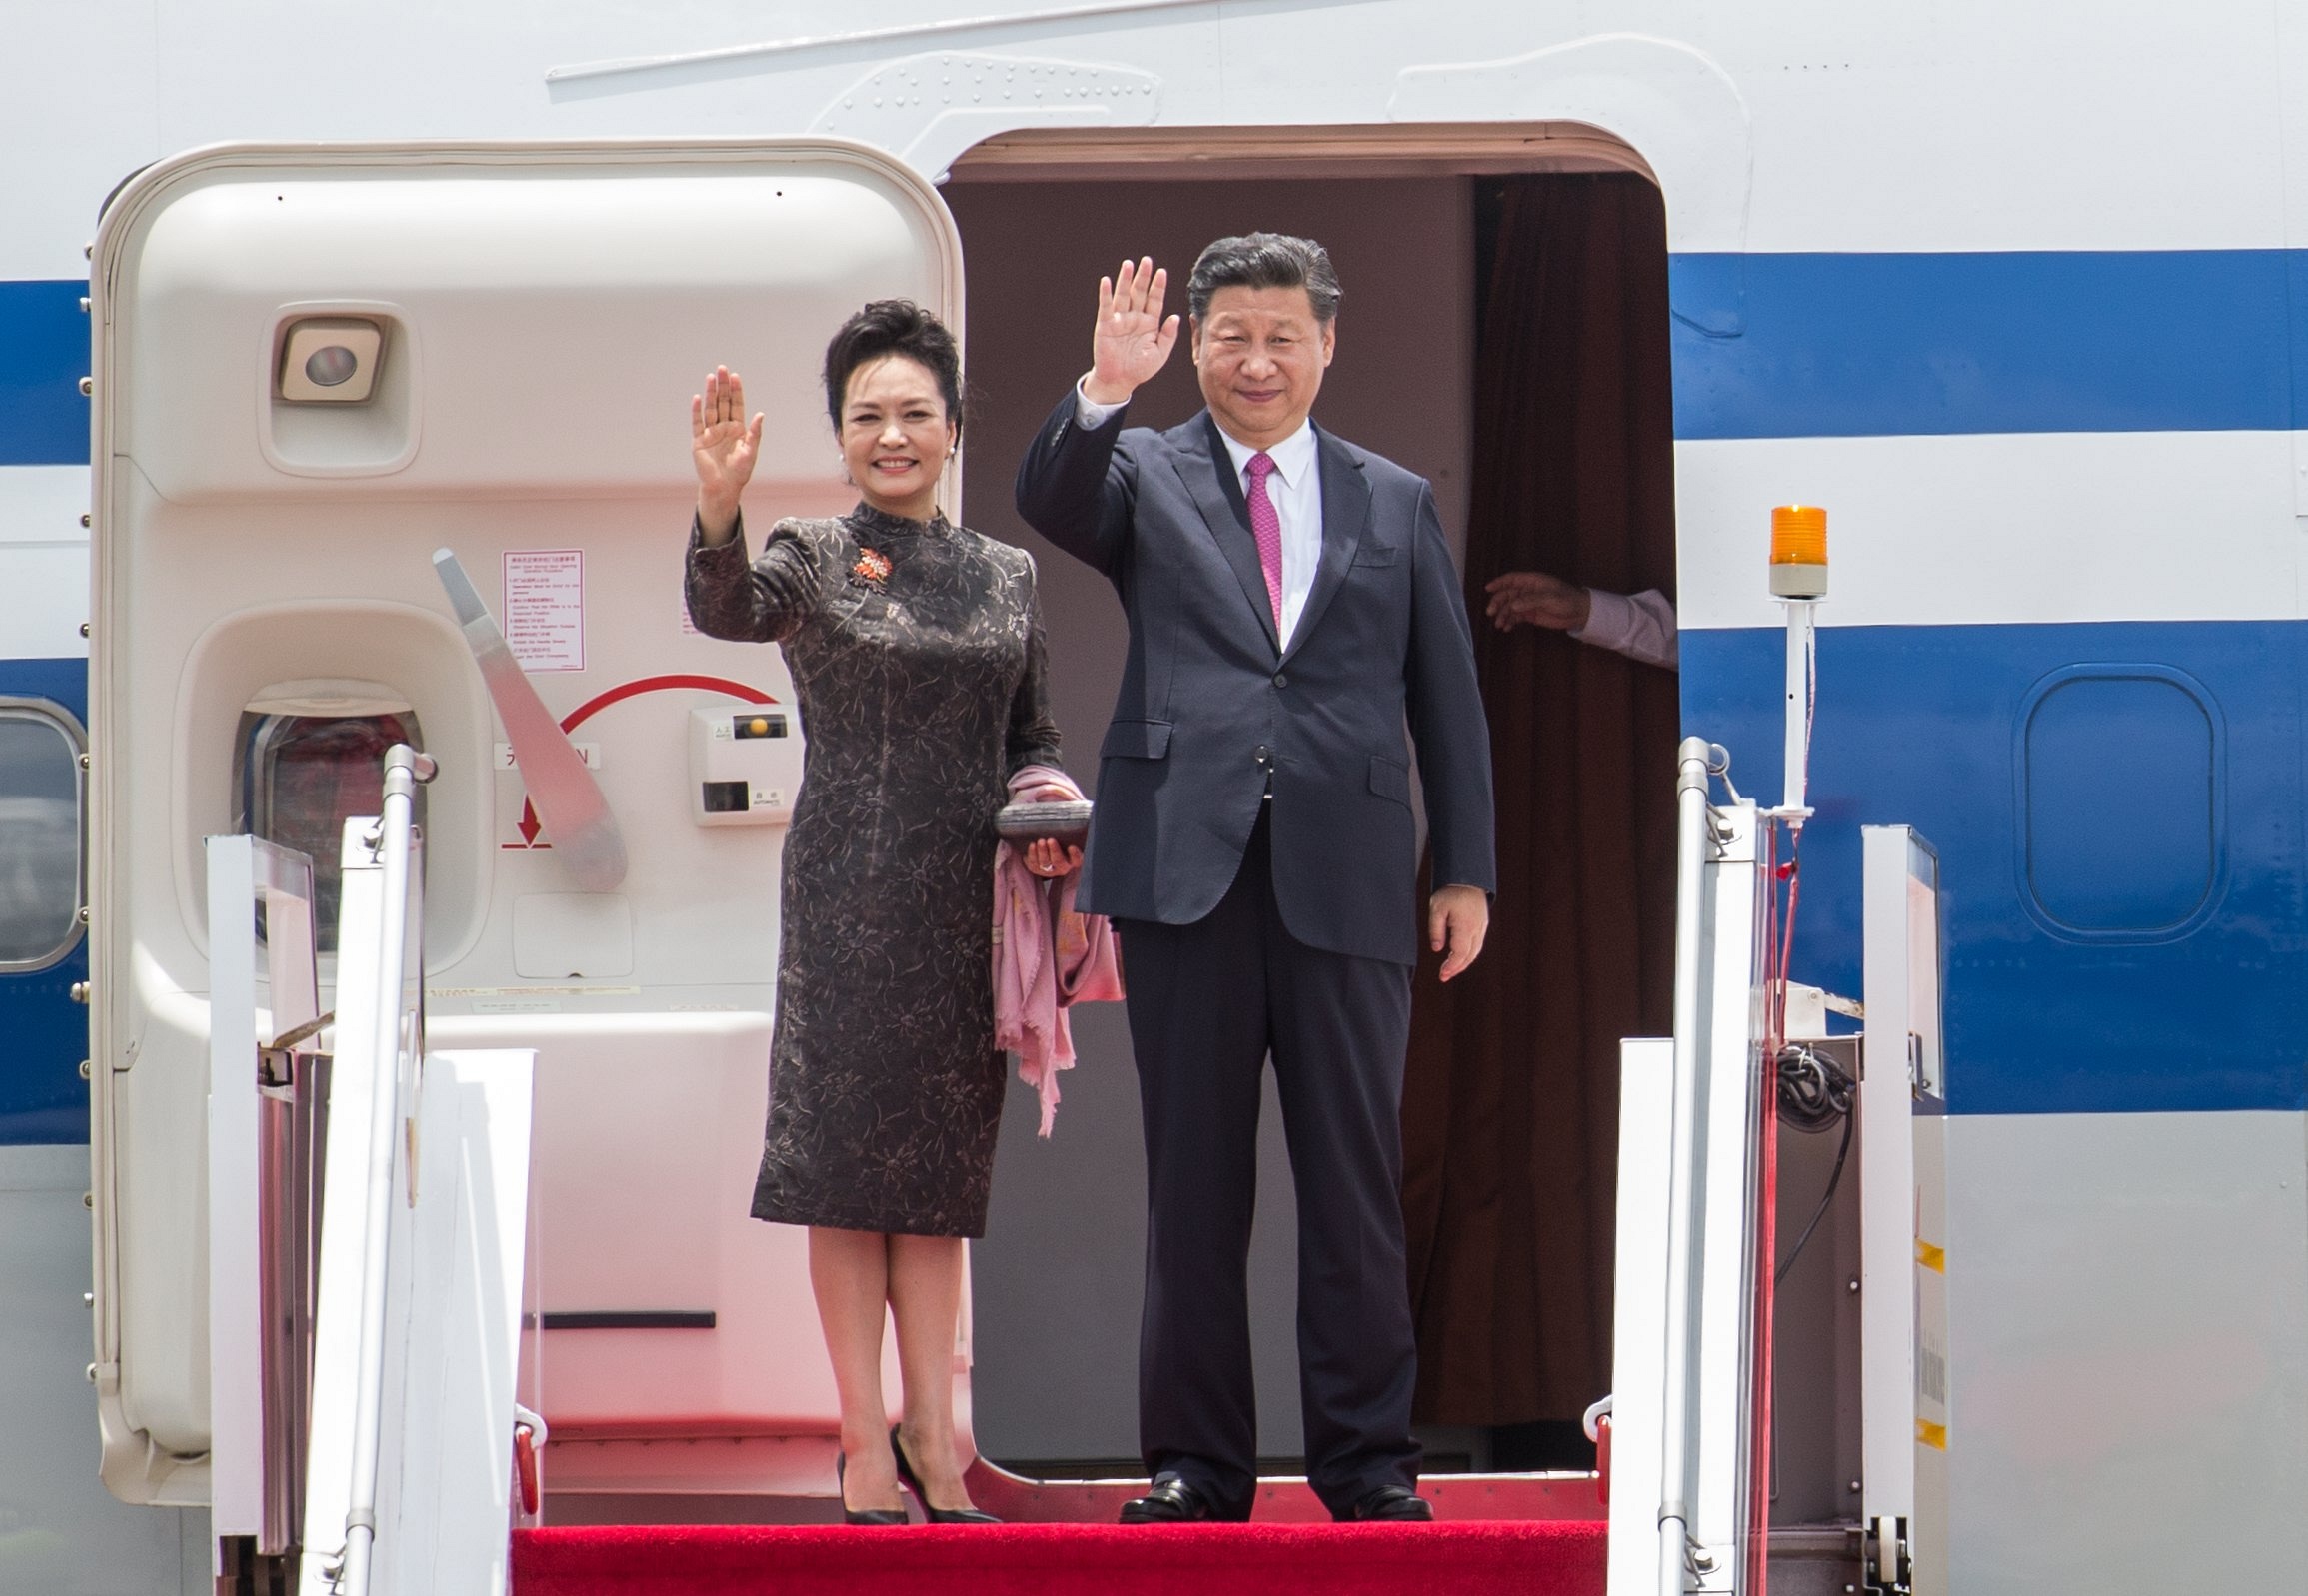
(1511,1110)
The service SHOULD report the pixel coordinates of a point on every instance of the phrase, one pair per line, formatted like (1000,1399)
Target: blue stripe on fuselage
(1921,725)
(1765,346)
(1845,346)
(43,1033)
(43,355)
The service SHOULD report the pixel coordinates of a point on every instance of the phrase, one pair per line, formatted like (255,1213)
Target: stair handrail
(389,844)
(1692,840)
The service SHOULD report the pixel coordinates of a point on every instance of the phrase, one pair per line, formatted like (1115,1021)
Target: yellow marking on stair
(1931,1434)
(1931,1258)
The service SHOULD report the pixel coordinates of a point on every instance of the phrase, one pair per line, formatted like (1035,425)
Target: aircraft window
(302,777)
(2150,866)
(40,810)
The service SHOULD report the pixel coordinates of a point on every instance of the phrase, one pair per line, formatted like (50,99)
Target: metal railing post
(404,768)
(1675,1440)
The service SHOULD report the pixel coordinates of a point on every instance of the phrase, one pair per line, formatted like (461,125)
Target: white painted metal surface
(2131,1370)
(242,873)
(1638,1327)
(2028,527)
(1905,1375)
(888,34)
(1685,1238)
(1796,743)
(1931,1531)
(395,1049)
(1731,1096)
(928,109)
(2061,86)
(1686,1264)
(417,1338)
(445,1482)
(373,1086)
(67,1533)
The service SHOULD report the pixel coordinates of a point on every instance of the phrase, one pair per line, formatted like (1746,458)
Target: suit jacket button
(1265,755)
(1282,679)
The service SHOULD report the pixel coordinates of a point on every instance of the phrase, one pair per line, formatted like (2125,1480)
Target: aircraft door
(315,368)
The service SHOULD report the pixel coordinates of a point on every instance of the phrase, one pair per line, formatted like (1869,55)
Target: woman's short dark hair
(893,326)
(1265,260)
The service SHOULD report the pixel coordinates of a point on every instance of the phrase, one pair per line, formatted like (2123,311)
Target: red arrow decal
(529,825)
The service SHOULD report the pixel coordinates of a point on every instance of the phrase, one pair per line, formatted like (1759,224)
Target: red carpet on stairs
(1448,1559)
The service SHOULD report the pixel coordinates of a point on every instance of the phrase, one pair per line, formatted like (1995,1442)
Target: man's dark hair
(1265,260)
(893,326)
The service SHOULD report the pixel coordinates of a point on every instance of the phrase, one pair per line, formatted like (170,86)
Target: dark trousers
(1208,1004)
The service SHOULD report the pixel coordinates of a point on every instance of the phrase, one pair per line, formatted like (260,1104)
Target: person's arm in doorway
(1641,626)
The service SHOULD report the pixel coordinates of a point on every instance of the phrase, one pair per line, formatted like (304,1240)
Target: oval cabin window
(39,838)
(2121,824)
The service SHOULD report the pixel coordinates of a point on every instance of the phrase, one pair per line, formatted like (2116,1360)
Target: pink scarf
(1045,961)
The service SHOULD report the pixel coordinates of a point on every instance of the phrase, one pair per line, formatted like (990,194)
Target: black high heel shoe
(869,1515)
(912,1482)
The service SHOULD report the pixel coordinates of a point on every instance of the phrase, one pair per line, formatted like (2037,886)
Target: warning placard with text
(545,608)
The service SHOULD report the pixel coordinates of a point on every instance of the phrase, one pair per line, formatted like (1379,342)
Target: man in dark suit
(1291,606)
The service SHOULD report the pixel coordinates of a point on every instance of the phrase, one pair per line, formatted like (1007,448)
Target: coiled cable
(1814,1092)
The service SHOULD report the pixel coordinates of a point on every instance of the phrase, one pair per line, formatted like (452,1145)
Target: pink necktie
(1266,527)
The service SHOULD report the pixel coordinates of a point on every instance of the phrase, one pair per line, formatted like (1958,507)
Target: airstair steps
(1554,1558)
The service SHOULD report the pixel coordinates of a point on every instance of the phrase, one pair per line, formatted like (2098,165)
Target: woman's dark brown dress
(917,654)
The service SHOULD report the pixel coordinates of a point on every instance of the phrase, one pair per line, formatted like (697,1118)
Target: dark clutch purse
(1066,822)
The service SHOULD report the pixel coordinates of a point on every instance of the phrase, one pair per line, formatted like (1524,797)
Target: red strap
(525,1465)
(1603,1458)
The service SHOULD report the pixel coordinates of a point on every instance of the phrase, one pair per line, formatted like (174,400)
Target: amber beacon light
(1799,552)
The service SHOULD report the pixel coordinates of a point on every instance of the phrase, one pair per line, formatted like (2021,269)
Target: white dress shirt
(1294,487)
(1641,628)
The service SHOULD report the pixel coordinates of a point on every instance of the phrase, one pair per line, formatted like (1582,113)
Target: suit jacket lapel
(1345,513)
(1209,478)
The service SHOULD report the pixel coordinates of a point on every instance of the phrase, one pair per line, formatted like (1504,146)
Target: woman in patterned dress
(915,650)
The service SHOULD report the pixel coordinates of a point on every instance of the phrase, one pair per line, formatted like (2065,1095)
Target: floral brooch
(871,569)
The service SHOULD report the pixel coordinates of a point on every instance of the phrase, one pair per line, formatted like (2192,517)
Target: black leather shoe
(881,1516)
(1171,1502)
(1390,1504)
(936,1515)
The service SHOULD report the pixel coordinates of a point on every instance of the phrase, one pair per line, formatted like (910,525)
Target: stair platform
(1547,1558)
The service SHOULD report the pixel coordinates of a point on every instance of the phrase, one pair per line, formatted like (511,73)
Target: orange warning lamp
(1799,552)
